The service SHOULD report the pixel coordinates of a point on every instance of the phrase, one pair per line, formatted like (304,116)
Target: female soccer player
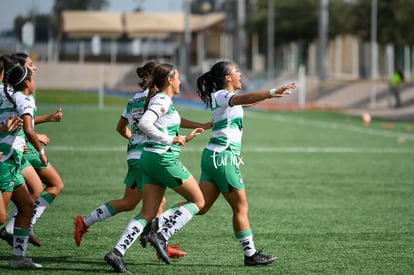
(162,168)
(217,88)
(12,181)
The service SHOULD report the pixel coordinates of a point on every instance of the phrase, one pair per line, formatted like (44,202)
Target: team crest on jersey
(162,110)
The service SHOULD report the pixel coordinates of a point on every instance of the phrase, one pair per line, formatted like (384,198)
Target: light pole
(374,53)
(187,38)
(270,38)
(323,38)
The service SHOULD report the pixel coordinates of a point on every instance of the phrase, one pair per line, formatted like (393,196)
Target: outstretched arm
(257,96)
(53,117)
(189,124)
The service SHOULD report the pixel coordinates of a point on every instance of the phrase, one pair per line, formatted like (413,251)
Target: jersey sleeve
(24,105)
(159,105)
(124,114)
(223,97)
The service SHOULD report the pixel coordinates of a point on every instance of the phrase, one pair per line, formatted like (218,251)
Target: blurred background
(342,53)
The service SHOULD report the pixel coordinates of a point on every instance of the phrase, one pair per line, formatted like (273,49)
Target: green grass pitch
(326,194)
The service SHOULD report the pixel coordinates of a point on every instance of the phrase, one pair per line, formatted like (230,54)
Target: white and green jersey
(133,113)
(26,105)
(227,128)
(168,122)
(11,143)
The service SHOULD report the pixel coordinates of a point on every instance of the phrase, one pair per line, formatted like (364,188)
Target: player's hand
(193,134)
(43,139)
(13,123)
(57,116)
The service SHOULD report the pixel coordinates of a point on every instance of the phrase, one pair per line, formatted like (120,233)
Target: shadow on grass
(70,264)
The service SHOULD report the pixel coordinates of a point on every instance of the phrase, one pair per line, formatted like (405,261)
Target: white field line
(333,126)
(247,149)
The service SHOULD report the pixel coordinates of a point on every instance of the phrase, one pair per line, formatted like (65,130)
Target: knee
(60,187)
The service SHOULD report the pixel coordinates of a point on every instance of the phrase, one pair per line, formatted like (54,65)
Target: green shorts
(222,169)
(24,163)
(10,176)
(163,169)
(33,157)
(134,175)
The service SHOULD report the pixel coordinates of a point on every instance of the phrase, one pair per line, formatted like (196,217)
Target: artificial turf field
(326,194)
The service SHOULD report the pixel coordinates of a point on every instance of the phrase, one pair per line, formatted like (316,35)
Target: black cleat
(160,244)
(6,236)
(114,259)
(150,227)
(259,259)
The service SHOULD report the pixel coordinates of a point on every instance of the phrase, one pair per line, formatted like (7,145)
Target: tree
(394,21)
(45,26)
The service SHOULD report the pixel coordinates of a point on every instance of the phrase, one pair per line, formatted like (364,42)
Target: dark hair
(160,75)
(145,74)
(20,57)
(6,63)
(16,78)
(212,81)
(8,66)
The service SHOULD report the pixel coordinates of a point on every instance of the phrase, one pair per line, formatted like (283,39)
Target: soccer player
(47,173)
(12,182)
(162,168)
(217,88)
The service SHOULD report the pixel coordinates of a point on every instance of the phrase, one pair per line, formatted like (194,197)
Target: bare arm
(257,96)
(33,139)
(189,124)
(122,128)
(53,117)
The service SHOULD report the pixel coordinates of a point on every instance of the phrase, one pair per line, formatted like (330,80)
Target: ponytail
(212,81)
(145,74)
(205,87)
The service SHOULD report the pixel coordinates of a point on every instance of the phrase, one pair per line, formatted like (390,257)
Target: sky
(22,7)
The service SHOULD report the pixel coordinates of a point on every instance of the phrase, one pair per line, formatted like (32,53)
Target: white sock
(99,214)
(20,240)
(40,206)
(165,216)
(178,219)
(131,233)
(10,222)
(245,239)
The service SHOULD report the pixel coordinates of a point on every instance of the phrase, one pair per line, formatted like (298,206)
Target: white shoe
(23,262)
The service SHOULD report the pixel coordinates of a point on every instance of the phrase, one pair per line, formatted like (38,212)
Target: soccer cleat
(151,227)
(4,235)
(160,244)
(173,252)
(80,229)
(34,241)
(114,259)
(22,262)
(259,259)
